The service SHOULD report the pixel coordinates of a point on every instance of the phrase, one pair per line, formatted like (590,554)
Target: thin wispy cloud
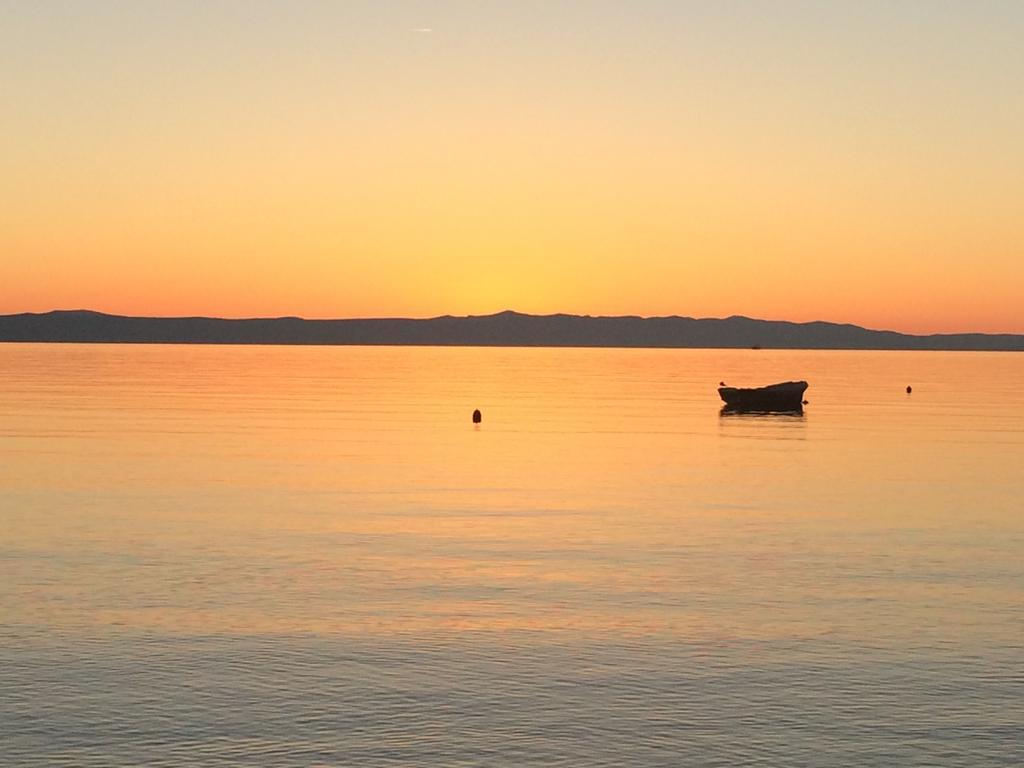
(423,30)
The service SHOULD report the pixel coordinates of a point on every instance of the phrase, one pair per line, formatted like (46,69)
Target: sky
(856,162)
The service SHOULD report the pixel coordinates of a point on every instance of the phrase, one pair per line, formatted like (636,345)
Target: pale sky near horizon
(857,162)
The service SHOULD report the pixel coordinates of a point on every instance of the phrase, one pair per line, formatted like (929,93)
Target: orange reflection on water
(345,490)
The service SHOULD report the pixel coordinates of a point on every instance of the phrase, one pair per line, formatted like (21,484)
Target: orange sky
(859,165)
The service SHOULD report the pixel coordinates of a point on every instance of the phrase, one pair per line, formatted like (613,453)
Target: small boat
(787,396)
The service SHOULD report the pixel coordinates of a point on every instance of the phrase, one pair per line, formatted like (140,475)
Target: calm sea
(309,556)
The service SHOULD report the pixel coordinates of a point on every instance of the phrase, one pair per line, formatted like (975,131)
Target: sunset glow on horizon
(791,161)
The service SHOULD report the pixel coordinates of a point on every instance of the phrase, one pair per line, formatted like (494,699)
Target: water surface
(306,556)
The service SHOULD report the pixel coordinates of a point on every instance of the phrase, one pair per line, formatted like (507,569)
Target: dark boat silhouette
(787,396)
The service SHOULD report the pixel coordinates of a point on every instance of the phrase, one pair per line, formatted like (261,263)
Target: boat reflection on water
(728,410)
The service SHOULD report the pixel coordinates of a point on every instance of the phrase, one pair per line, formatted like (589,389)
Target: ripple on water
(509,699)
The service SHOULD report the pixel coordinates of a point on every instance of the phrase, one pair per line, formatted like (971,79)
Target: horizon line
(512,312)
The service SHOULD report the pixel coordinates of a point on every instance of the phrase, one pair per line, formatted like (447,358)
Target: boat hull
(787,396)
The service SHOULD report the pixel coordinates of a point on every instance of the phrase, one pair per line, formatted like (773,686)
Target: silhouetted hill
(503,329)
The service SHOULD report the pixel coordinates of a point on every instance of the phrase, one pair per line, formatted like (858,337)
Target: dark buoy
(909,389)
(476,416)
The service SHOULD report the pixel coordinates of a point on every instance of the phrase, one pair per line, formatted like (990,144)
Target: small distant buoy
(476,416)
(909,389)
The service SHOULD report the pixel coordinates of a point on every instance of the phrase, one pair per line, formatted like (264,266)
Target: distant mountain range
(510,329)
